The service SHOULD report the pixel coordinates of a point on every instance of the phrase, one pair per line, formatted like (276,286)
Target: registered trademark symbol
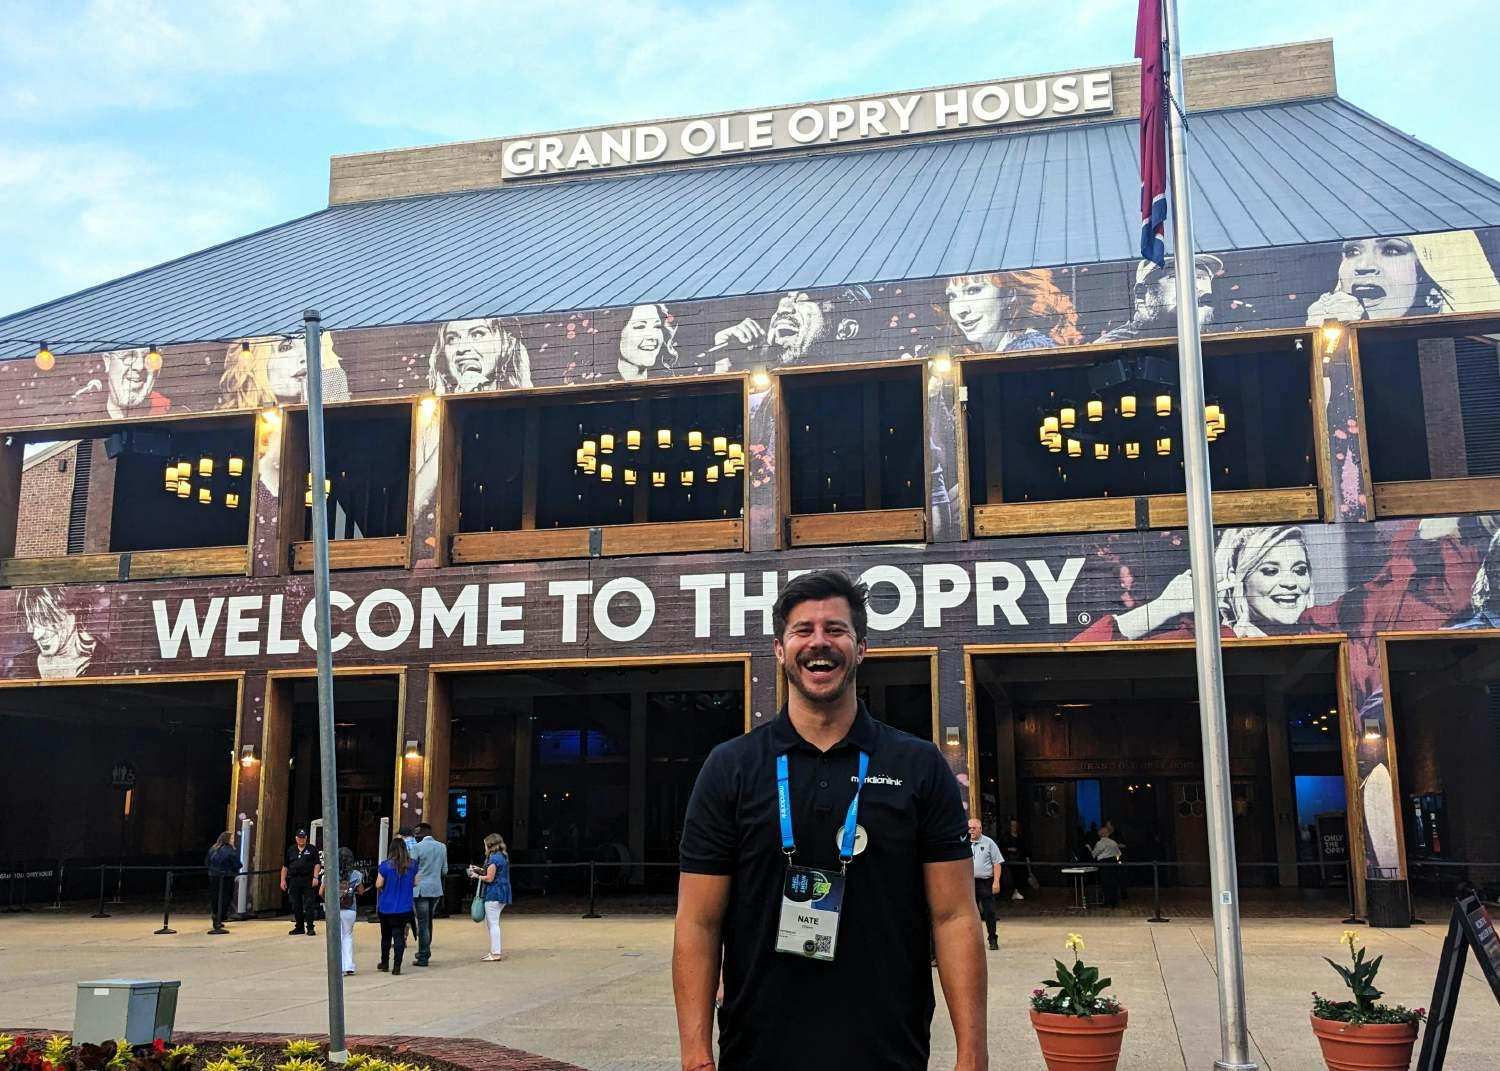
(1084,617)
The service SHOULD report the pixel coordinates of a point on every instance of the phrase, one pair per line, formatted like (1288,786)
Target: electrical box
(138,1010)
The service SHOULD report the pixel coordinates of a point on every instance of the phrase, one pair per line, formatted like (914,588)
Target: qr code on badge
(822,944)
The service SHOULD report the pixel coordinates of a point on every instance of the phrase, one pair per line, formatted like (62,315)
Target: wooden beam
(1282,504)
(859,526)
(192,561)
(675,537)
(450,430)
(372,553)
(72,569)
(1424,498)
(470,547)
(1084,515)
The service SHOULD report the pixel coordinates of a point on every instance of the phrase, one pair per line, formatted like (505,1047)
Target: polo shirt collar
(862,735)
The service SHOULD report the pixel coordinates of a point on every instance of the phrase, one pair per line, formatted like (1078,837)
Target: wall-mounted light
(44,358)
(760,379)
(236,465)
(270,416)
(153,358)
(247,756)
(205,466)
(942,365)
(1332,330)
(413,749)
(1373,729)
(951,735)
(427,405)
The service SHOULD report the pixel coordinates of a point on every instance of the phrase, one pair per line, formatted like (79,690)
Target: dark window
(367,455)
(1266,441)
(854,441)
(210,511)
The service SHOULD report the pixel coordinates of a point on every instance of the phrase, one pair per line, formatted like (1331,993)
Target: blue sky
(136,131)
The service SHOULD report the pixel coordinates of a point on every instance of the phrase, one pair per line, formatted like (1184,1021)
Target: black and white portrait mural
(1153,310)
(1417,275)
(476,355)
(262,372)
(647,344)
(64,636)
(804,327)
(1014,310)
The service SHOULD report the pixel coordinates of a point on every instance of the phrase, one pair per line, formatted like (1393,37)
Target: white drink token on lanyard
(861,838)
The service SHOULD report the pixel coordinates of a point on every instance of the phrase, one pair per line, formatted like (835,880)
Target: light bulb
(44,358)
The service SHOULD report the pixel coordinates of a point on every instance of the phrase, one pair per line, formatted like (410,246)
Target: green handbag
(476,909)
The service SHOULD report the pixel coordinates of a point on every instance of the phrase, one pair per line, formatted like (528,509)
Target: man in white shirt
(987,863)
(1107,850)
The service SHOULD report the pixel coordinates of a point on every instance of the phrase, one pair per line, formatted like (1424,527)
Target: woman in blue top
(495,874)
(394,881)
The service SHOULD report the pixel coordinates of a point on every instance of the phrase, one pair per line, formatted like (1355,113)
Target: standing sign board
(1471,927)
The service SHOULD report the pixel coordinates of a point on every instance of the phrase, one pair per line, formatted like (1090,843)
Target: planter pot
(1365,1047)
(1073,1043)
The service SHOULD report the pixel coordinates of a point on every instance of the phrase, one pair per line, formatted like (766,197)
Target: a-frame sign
(1470,927)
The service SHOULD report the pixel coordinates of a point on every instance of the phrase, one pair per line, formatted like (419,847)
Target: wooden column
(762,701)
(275,784)
(954,720)
(434,482)
(763,510)
(12,464)
(1377,846)
(1283,788)
(947,496)
(278,510)
(1442,408)
(1338,429)
(422,780)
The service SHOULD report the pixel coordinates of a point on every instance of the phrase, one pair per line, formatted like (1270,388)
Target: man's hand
(747,332)
(995,886)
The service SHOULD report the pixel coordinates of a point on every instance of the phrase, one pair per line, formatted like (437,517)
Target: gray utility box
(137,1010)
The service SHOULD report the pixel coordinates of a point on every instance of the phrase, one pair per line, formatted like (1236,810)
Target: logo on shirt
(877,779)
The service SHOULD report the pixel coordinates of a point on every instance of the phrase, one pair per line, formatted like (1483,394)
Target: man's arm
(960,957)
(697,955)
(283,877)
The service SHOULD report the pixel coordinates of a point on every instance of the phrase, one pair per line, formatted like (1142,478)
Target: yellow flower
(1074,943)
(1350,938)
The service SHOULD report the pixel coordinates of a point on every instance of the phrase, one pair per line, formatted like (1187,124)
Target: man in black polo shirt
(299,878)
(758,894)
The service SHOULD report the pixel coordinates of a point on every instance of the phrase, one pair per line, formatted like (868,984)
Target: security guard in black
(299,874)
(871,1008)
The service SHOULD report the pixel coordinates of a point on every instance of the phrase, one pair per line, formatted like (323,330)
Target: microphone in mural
(805,326)
(1154,299)
(1387,278)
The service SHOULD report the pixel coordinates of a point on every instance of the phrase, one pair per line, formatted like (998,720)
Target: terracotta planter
(1365,1047)
(1073,1043)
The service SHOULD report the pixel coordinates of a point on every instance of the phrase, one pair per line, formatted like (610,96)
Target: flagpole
(1234,1040)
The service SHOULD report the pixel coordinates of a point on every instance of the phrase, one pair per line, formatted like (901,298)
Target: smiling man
(132,384)
(820,854)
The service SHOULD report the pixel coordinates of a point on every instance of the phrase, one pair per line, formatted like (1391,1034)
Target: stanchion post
(592,913)
(1353,918)
(166,908)
(1156,915)
(101,913)
(57,894)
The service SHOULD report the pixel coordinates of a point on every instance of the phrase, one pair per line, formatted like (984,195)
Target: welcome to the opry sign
(623,609)
(838,122)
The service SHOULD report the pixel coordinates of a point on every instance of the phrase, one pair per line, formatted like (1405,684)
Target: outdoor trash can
(1387,904)
(138,1010)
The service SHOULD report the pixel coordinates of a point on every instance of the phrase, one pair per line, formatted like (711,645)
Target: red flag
(1148,49)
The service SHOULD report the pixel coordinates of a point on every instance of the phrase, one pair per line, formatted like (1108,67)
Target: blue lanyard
(784,809)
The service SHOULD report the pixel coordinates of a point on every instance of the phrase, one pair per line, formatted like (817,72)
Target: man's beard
(794,679)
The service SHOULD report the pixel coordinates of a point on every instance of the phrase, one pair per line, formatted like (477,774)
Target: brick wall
(46,490)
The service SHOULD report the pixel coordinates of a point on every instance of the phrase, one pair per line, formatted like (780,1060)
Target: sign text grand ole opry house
(595,394)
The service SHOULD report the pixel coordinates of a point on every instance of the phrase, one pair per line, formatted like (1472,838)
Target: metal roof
(1271,175)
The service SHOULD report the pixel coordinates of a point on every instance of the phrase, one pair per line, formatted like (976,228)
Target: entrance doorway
(1445,705)
(586,764)
(898,690)
(138,774)
(1070,741)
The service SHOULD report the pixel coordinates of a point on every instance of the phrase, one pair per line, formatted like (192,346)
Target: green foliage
(240,1056)
(1359,977)
(301,1063)
(303,1048)
(56,1048)
(1078,989)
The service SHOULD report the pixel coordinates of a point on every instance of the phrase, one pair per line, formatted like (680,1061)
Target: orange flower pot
(1073,1043)
(1365,1046)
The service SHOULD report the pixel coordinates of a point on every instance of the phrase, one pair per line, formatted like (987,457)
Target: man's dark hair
(423,829)
(823,584)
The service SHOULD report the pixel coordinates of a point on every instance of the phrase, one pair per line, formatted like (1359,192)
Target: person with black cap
(299,878)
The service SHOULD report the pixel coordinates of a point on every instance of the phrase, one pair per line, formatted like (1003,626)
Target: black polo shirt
(300,863)
(871,1008)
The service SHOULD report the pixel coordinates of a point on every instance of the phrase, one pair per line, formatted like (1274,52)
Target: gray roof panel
(1283,174)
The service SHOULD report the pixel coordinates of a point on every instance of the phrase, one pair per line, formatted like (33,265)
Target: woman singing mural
(1386,278)
(1013,310)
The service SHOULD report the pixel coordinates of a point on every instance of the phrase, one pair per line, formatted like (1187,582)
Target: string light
(44,358)
(153,358)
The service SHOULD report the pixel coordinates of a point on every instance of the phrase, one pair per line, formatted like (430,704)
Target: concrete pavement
(598,993)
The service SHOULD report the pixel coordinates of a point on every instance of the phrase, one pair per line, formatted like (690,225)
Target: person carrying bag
(494,890)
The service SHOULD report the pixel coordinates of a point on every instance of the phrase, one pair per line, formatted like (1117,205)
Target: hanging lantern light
(153,358)
(1055,443)
(685,477)
(731,469)
(658,478)
(712,475)
(184,489)
(205,497)
(184,470)
(1075,448)
(1094,408)
(1042,434)
(236,465)
(590,448)
(578,458)
(231,500)
(1067,416)
(1163,404)
(606,473)
(1163,443)
(1127,405)
(695,440)
(1050,424)
(172,478)
(589,464)
(721,445)
(629,476)
(1211,413)
(205,466)
(664,438)
(1132,450)
(1101,451)
(1221,423)
(44,358)
(607,443)
(633,439)
(307,498)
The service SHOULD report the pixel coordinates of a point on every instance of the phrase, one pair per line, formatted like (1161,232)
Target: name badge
(810,905)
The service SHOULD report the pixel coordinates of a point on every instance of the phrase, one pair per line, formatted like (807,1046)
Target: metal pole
(166,908)
(338,1050)
(1156,915)
(592,912)
(1234,1034)
(101,913)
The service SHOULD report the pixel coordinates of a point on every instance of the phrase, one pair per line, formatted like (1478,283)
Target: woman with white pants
(495,876)
(351,884)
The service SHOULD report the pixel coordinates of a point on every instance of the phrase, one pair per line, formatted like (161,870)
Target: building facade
(590,406)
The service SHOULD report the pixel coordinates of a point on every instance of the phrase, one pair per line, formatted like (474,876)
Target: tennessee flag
(1153,131)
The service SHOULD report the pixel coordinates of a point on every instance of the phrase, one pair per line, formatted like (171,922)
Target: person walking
(431,859)
(394,883)
(301,873)
(495,874)
(351,884)
(819,852)
(1013,848)
(223,863)
(987,866)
